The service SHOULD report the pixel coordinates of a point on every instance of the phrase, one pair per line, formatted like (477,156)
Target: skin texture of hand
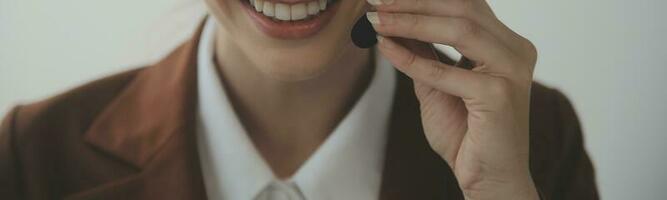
(477,120)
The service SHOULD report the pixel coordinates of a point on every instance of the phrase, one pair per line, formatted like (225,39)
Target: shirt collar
(233,169)
(348,165)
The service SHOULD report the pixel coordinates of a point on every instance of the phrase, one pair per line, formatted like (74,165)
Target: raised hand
(477,120)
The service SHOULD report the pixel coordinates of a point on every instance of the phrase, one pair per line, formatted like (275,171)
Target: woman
(270,100)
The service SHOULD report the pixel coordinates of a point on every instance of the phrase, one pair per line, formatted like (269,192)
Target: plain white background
(608,56)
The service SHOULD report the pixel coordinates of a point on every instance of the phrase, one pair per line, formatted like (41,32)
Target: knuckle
(531,51)
(466,29)
(527,56)
(527,49)
(499,89)
(436,72)
(410,60)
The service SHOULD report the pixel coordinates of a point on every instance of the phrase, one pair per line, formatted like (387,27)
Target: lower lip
(291,29)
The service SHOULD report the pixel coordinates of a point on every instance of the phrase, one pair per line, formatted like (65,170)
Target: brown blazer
(131,136)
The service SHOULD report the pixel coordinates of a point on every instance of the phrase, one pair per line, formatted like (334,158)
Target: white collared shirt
(348,165)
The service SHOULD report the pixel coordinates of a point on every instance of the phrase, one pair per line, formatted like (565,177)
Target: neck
(288,120)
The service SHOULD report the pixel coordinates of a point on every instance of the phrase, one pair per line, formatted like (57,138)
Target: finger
(464,35)
(423,49)
(478,11)
(446,78)
(452,8)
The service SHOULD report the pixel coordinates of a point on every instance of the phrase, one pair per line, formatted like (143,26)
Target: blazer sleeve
(10,187)
(575,177)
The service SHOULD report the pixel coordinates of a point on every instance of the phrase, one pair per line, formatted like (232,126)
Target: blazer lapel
(151,127)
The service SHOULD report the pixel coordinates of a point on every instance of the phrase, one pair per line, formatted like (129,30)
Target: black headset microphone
(363,34)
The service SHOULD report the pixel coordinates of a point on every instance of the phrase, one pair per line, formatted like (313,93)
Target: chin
(292,65)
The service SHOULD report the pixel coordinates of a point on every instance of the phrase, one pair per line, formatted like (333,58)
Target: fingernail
(375,2)
(373,17)
(380,39)
(380,2)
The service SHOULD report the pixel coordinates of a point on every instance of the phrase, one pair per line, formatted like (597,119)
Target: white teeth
(286,12)
(299,11)
(283,12)
(268,9)
(259,4)
(323,4)
(313,8)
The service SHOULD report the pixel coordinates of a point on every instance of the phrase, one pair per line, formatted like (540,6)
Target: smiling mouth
(290,12)
(294,20)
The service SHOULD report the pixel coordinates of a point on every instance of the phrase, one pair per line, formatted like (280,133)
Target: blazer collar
(158,103)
